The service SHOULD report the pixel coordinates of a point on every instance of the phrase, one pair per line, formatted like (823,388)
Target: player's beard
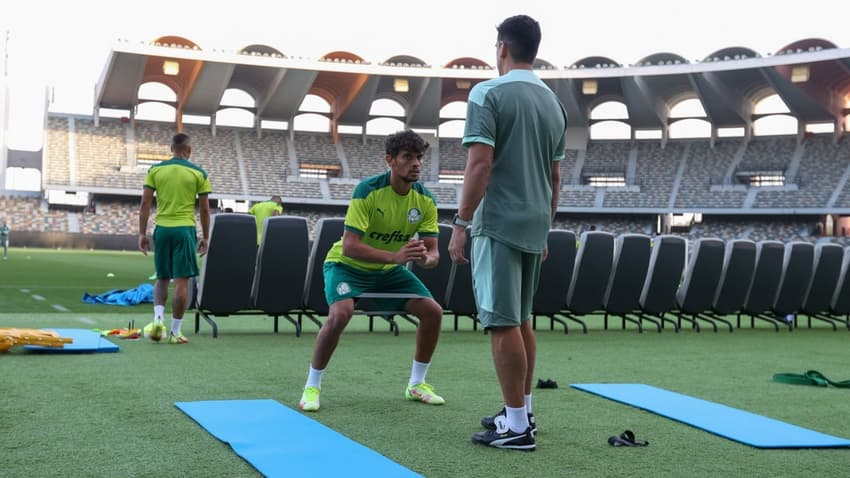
(411,177)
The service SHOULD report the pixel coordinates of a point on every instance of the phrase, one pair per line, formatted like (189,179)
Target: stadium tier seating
(266,162)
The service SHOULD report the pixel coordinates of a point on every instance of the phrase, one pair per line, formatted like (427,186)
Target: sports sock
(314,378)
(158,312)
(417,373)
(175,325)
(517,419)
(528,404)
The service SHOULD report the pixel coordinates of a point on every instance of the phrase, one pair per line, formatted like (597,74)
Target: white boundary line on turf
(86,320)
(25,291)
(60,308)
(38,297)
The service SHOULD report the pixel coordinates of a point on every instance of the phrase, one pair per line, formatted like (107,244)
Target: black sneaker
(489,422)
(503,437)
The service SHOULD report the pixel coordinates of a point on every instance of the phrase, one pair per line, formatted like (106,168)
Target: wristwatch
(457,221)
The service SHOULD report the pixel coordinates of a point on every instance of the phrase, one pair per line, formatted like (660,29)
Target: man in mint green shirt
(177,182)
(515,132)
(264,209)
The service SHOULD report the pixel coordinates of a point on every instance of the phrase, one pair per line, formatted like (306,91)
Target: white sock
(417,373)
(158,312)
(528,404)
(517,419)
(175,325)
(314,378)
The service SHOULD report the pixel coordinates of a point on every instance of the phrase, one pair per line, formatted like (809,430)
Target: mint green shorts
(505,280)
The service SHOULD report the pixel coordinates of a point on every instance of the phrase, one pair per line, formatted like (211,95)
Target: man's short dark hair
(522,34)
(179,141)
(405,140)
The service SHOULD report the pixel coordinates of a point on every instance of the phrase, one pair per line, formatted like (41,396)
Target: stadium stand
(316,148)
(768,154)
(365,159)
(266,162)
(101,151)
(706,167)
(606,157)
(32,214)
(217,155)
(656,173)
(116,216)
(341,190)
(452,155)
(57,164)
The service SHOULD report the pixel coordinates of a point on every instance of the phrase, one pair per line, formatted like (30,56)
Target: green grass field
(113,415)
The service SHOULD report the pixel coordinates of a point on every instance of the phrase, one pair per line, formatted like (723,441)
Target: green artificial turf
(113,414)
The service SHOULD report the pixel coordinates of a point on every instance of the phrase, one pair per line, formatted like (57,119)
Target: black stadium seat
(702,275)
(278,288)
(828,261)
(631,262)
(555,277)
(227,271)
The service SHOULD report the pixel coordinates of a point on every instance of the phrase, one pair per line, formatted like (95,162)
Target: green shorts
(345,282)
(174,252)
(505,280)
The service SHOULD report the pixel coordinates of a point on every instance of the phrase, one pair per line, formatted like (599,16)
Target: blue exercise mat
(738,425)
(279,441)
(85,341)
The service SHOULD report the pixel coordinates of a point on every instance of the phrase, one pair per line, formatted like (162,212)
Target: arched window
(383,126)
(610,130)
(314,104)
(156,111)
(770,105)
(23,179)
(154,90)
(237,97)
(454,110)
(452,129)
(609,110)
(689,108)
(690,128)
(311,122)
(386,107)
(775,125)
(234,117)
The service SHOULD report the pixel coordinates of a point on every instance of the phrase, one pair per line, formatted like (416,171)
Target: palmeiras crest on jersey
(414,215)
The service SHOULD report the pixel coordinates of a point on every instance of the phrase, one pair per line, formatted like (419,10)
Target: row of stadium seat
(631,276)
